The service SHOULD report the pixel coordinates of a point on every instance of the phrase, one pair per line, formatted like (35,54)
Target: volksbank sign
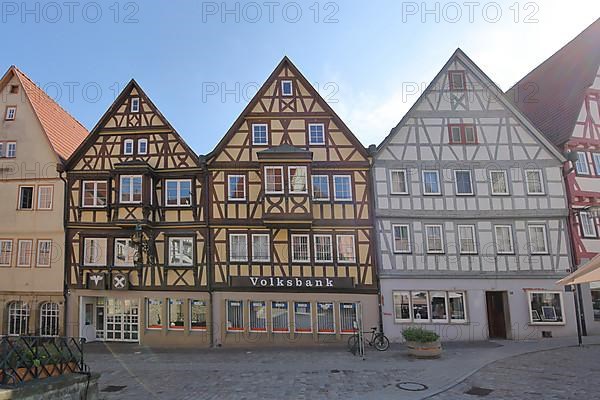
(291,283)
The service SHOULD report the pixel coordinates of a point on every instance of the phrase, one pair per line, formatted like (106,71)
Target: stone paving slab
(307,373)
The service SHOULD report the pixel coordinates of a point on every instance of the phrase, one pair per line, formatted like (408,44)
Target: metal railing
(25,358)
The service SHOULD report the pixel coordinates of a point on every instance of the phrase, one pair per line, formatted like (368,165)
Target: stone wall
(66,387)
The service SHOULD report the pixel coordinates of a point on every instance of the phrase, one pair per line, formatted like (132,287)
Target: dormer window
(316,134)
(11,112)
(14,89)
(286,88)
(456,80)
(135,104)
(143,146)
(128,147)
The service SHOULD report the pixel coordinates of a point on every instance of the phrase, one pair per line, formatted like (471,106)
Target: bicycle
(377,340)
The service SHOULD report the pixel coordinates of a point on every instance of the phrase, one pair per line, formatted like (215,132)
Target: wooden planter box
(425,350)
(51,370)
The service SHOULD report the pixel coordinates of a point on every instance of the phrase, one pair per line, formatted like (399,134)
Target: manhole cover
(411,386)
(477,391)
(113,388)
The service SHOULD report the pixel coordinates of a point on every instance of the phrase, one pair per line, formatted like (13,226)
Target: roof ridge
(21,73)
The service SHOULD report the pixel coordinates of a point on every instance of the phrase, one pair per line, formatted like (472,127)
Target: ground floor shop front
(470,309)
(198,319)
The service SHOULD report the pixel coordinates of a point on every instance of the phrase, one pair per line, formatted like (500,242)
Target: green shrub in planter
(419,335)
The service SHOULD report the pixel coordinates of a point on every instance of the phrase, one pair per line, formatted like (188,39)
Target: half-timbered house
(290,221)
(136,231)
(36,135)
(561,97)
(471,216)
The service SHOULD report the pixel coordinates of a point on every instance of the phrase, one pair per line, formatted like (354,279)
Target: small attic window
(456,80)
(286,88)
(14,89)
(11,112)
(135,104)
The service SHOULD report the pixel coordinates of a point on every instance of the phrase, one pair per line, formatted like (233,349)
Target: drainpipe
(208,244)
(61,170)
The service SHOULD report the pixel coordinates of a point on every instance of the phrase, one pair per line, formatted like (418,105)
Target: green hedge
(419,335)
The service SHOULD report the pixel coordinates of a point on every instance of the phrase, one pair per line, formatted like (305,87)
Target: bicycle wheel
(380,342)
(353,344)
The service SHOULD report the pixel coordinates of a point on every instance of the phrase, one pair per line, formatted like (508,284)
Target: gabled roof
(494,90)
(552,94)
(90,140)
(286,62)
(64,132)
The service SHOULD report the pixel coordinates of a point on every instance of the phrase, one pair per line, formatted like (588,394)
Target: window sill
(547,323)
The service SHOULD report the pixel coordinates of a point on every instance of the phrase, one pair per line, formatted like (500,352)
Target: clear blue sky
(363,55)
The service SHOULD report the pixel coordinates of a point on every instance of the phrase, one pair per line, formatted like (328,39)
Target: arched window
(49,320)
(18,318)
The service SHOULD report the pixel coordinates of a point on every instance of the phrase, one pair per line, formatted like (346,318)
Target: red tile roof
(552,94)
(64,132)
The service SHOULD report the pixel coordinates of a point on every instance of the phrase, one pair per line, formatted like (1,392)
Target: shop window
(280,317)
(433,306)
(235,315)
(325,318)
(348,321)
(176,319)
(154,314)
(258,316)
(198,313)
(302,317)
(546,308)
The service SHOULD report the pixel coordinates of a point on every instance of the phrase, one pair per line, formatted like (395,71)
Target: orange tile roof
(64,132)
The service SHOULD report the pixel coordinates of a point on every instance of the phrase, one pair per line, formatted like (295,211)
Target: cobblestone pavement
(137,372)
(567,373)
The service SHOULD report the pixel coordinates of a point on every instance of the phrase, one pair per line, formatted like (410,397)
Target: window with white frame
(430,306)
(325,318)
(298,180)
(596,158)
(94,251)
(128,147)
(581,165)
(44,253)
(320,187)
(154,314)
(18,318)
(538,242)
(94,193)
(398,181)
(11,150)
(1,149)
(300,248)
(463,183)
(6,253)
(466,239)
(24,251)
(258,316)
(546,308)
(302,317)
(260,134)
(135,104)
(342,188)
(235,315)
(260,247)
(431,183)
(434,239)
(11,112)
(535,183)
(348,322)
(323,248)
(198,313)
(44,197)
(181,251)
(504,239)
(236,190)
(238,247)
(176,315)
(49,319)
(124,252)
(346,251)
(280,318)
(143,146)
(286,88)
(131,189)
(401,234)
(499,182)
(179,192)
(588,224)
(316,134)
(26,198)
(273,180)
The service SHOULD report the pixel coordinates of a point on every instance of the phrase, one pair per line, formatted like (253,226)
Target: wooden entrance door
(496,315)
